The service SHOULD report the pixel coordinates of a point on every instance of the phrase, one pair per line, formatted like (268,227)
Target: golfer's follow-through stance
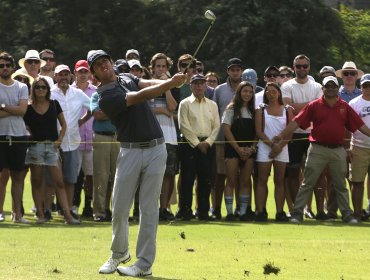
(141,161)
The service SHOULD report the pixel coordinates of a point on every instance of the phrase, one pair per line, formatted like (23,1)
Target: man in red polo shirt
(330,117)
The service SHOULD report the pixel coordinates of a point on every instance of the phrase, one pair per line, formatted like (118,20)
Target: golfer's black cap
(94,55)
(197,77)
(234,62)
(271,68)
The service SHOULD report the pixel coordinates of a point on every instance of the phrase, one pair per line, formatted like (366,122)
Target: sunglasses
(365,85)
(41,87)
(184,65)
(271,75)
(300,66)
(331,86)
(32,61)
(287,75)
(351,73)
(7,65)
(51,59)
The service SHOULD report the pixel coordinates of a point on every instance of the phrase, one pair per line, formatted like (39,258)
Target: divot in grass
(269,268)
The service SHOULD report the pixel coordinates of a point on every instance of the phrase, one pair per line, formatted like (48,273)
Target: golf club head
(210,15)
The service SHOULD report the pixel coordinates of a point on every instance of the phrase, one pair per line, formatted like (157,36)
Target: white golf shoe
(111,264)
(134,271)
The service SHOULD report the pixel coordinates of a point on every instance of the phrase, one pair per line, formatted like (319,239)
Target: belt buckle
(144,145)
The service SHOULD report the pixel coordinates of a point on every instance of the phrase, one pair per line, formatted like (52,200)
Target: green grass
(210,250)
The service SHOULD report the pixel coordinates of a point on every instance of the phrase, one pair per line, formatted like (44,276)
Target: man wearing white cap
(360,148)
(135,67)
(330,116)
(31,64)
(132,54)
(72,100)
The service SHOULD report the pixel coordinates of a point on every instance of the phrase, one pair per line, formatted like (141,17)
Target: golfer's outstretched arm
(151,92)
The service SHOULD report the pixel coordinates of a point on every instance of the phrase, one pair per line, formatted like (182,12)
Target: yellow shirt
(198,119)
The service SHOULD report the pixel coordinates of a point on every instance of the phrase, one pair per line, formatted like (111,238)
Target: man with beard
(72,100)
(297,93)
(13,146)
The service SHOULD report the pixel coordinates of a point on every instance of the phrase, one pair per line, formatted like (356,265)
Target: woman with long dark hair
(271,118)
(240,150)
(41,120)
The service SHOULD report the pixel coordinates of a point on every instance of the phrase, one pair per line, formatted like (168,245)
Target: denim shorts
(43,153)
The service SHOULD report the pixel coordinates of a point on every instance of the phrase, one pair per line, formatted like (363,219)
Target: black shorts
(13,152)
(297,148)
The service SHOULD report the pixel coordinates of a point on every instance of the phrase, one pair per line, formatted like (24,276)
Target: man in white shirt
(297,93)
(71,100)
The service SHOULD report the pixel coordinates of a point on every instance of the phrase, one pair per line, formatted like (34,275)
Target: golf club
(210,16)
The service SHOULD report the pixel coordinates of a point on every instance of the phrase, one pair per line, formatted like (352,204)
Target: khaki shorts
(220,159)
(360,164)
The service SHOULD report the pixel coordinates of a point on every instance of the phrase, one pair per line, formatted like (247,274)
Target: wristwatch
(2,106)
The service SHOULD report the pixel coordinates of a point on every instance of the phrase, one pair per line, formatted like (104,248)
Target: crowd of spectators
(222,139)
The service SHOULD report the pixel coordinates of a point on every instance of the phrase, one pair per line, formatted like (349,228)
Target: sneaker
(281,217)
(41,221)
(73,214)
(295,219)
(47,214)
(21,220)
(108,215)
(99,219)
(260,217)
(134,271)
(165,215)
(308,214)
(74,209)
(87,212)
(230,218)
(2,217)
(73,221)
(332,217)
(350,220)
(322,216)
(216,213)
(111,264)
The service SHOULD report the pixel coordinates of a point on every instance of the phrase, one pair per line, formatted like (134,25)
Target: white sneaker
(73,221)
(21,221)
(134,271)
(111,264)
(294,220)
(2,217)
(352,221)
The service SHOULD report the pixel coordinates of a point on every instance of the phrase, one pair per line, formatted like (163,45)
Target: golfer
(141,161)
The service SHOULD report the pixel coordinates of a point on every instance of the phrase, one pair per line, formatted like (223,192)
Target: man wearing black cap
(271,74)
(199,124)
(222,96)
(141,161)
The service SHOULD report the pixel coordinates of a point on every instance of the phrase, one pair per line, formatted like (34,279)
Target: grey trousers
(144,168)
(317,158)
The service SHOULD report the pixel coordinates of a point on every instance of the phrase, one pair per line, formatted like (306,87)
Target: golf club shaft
(200,44)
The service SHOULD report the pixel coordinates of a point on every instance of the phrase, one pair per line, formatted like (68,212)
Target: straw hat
(349,65)
(22,72)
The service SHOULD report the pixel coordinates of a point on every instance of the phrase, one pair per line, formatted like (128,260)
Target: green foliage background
(260,32)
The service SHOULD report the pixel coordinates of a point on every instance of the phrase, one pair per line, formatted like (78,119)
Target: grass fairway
(210,250)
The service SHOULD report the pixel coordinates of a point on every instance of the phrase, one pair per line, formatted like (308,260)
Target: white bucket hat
(31,54)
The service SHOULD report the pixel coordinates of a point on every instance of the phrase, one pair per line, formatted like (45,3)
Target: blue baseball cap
(250,75)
